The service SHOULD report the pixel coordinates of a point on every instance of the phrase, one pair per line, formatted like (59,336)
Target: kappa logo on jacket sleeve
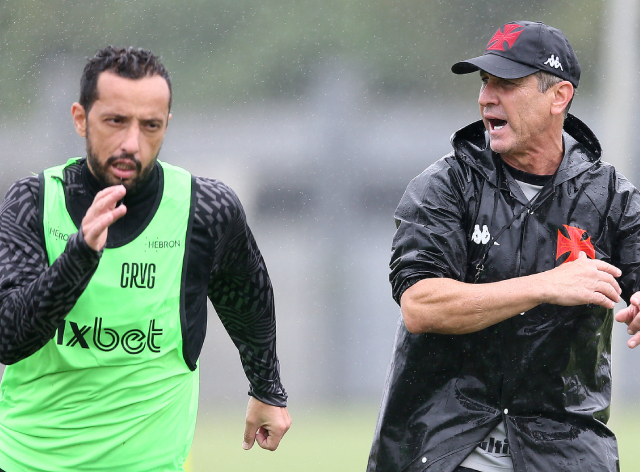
(577,241)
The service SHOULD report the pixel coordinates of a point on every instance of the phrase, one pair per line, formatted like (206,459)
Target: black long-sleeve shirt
(224,263)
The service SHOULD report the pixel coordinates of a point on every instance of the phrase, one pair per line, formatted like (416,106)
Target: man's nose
(487,95)
(131,143)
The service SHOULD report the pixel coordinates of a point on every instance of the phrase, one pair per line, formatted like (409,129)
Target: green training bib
(111,391)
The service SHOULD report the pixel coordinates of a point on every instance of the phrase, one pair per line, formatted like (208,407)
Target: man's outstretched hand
(265,424)
(630,317)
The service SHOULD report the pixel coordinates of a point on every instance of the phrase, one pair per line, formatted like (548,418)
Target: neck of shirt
(139,205)
(530,184)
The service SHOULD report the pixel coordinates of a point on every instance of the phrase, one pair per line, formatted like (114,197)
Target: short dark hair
(546,81)
(131,63)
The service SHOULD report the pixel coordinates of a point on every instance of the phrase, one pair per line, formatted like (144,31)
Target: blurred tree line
(225,52)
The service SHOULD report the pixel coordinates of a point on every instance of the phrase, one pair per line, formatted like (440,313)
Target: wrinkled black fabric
(547,373)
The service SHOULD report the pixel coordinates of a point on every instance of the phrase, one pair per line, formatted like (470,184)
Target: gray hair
(546,81)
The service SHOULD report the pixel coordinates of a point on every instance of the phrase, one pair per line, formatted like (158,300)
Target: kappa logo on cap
(509,36)
(554,62)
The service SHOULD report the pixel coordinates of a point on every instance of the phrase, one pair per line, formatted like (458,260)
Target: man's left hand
(265,424)
(630,317)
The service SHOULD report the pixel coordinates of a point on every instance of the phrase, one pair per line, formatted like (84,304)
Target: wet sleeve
(35,297)
(626,254)
(241,293)
(430,240)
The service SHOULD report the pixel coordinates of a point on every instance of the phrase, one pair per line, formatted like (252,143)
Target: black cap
(521,48)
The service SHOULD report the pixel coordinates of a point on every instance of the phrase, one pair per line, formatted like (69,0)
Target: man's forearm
(254,334)
(241,292)
(30,313)
(448,306)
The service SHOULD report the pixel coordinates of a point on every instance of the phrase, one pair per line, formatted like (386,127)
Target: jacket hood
(581,149)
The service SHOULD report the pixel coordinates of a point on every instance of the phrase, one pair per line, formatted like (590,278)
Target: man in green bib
(106,263)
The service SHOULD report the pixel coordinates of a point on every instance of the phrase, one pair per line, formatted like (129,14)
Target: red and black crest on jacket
(572,241)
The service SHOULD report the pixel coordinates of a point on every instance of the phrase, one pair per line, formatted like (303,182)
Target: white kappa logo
(554,62)
(481,237)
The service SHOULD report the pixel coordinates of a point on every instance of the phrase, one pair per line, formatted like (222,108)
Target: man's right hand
(582,281)
(101,214)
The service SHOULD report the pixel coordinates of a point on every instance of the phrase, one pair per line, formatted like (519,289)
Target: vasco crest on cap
(505,37)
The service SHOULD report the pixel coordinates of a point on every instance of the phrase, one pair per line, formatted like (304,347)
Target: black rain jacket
(547,373)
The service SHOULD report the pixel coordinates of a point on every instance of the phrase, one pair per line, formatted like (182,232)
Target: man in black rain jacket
(509,256)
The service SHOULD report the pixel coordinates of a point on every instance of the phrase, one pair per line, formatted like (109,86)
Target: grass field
(332,439)
(335,439)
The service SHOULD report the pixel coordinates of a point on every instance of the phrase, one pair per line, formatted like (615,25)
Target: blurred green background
(317,113)
(226,52)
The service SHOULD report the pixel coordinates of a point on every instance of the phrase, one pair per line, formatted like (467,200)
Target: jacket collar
(581,150)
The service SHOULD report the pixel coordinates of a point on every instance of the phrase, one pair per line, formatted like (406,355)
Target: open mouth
(124,166)
(497,124)
(124,169)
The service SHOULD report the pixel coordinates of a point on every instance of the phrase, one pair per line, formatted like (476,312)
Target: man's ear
(79,119)
(562,95)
